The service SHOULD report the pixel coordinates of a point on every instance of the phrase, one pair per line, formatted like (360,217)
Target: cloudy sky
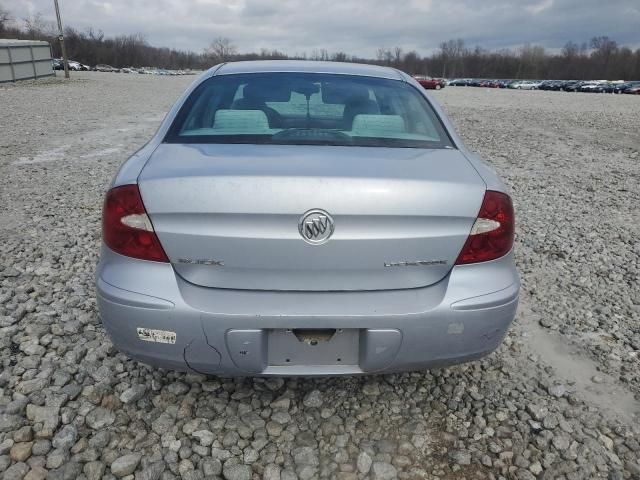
(357,27)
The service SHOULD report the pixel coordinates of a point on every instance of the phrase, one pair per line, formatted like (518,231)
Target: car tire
(438,87)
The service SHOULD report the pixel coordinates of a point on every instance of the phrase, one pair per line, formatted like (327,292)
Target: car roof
(305,66)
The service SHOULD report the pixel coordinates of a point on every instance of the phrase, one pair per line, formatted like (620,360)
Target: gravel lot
(559,399)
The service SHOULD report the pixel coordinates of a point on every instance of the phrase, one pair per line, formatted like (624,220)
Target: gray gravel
(557,400)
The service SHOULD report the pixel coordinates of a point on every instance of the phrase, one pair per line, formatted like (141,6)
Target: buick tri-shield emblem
(316,226)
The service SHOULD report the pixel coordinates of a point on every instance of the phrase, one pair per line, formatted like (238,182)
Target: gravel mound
(557,400)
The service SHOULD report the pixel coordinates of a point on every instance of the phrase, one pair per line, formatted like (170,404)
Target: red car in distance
(430,83)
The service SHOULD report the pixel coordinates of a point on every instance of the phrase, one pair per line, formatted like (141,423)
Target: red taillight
(492,233)
(126,228)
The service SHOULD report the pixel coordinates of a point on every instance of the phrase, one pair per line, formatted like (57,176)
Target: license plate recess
(288,347)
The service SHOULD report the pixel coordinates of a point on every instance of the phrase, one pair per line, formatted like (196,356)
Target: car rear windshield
(308,108)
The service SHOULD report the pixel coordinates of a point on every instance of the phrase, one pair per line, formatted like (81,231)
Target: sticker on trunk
(158,336)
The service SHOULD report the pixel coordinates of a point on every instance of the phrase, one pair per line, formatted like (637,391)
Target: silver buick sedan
(306,218)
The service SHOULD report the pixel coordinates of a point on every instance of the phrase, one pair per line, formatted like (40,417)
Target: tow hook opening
(314,336)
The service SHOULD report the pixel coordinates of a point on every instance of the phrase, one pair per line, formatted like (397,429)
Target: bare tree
(412,63)
(36,26)
(221,50)
(604,44)
(532,58)
(570,50)
(452,53)
(384,55)
(5,18)
(321,54)
(95,36)
(604,49)
(397,56)
(571,61)
(340,57)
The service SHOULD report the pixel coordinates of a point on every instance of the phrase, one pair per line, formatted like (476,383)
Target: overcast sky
(357,27)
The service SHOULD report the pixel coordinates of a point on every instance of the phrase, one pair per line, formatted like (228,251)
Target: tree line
(600,58)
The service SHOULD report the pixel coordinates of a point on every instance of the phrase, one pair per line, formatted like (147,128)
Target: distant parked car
(573,86)
(430,83)
(620,87)
(593,87)
(75,66)
(490,84)
(623,87)
(58,64)
(607,87)
(101,67)
(633,89)
(559,85)
(525,85)
(550,85)
(458,82)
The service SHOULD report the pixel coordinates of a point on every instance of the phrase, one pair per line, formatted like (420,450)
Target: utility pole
(65,61)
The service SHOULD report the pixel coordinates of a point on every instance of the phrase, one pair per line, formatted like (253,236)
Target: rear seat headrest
(365,125)
(241,120)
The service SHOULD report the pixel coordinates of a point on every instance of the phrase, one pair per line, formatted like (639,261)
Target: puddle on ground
(59,153)
(101,153)
(50,155)
(576,371)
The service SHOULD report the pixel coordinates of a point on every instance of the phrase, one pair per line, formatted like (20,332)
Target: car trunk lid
(228,215)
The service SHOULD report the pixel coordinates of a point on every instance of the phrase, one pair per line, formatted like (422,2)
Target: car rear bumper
(236,332)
